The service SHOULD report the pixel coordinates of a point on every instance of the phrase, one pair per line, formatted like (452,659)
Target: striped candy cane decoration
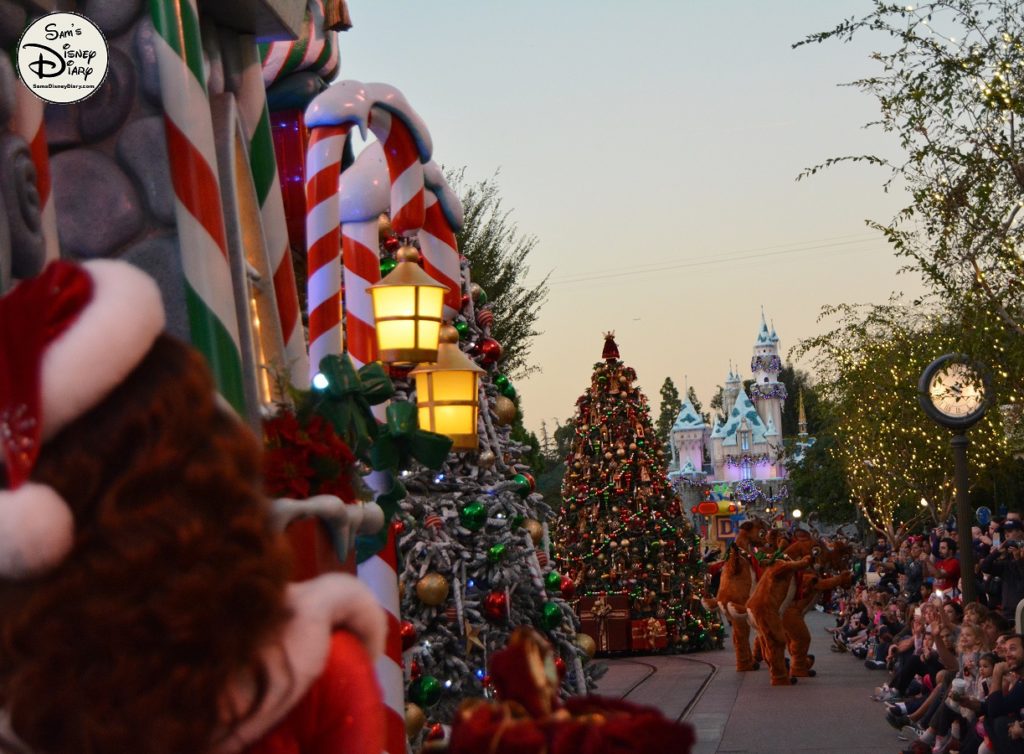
(380,574)
(406,170)
(252,100)
(363,195)
(323,241)
(437,239)
(200,219)
(28,123)
(315,50)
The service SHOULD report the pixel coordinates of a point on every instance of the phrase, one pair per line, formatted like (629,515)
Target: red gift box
(605,617)
(649,635)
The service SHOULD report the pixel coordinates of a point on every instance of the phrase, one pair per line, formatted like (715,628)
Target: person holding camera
(1006,563)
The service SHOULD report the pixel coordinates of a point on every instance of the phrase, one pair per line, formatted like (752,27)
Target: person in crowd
(1001,709)
(1006,563)
(913,569)
(946,568)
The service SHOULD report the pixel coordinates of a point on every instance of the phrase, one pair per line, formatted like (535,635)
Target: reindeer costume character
(739,577)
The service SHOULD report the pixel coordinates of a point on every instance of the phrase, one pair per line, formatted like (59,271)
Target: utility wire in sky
(721,258)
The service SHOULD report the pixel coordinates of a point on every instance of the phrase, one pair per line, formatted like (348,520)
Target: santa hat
(67,338)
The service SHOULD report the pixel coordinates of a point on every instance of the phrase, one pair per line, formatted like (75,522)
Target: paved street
(740,713)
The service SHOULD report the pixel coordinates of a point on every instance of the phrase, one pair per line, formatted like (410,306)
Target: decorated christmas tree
(621,533)
(474,553)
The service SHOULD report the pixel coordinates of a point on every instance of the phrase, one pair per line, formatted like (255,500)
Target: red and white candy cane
(407,146)
(443,217)
(28,123)
(363,196)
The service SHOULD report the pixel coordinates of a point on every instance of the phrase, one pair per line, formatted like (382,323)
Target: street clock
(954,391)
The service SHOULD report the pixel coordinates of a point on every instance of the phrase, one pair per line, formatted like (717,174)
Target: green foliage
(818,482)
(670,405)
(950,89)
(717,404)
(497,253)
(697,405)
(797,380)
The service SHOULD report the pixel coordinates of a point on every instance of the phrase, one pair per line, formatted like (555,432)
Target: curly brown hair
(174,583)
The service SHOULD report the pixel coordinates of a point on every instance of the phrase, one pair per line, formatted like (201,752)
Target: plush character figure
(738,578)
(765,606)
(144,596)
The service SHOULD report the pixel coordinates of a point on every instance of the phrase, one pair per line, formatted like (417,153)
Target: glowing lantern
(407,308)
(447,394)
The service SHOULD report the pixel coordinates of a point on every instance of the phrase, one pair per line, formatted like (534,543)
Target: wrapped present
(649,634)
(606,618)
(530,718)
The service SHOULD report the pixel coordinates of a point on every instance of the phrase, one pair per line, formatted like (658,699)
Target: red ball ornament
(392,244)
(489,350)
(436,732)
(433,521)
(465,300)
(408,633)
(560,667)
(415,670)
(567,587)
(397,527)
(495,607)
(485,318)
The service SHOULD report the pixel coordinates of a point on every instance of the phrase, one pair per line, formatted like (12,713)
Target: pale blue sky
(652,147)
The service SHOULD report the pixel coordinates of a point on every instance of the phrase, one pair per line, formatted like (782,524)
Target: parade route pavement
(741,713)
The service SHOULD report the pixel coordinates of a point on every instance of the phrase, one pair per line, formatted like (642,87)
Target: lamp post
(447,396)
(954,392)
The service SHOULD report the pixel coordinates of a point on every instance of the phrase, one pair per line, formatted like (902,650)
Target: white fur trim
(107,341)
(320,606)
(36,530)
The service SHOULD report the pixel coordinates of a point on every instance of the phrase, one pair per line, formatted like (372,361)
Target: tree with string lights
(892,455)
(621,528)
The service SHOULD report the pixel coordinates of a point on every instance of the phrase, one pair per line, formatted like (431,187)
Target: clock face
(956,390)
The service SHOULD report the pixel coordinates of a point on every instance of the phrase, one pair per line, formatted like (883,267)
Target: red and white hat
(67,338)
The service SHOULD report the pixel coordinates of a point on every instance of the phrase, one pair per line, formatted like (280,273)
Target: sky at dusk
(653,148)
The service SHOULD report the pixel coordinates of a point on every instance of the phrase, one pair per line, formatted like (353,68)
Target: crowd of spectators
(955,672)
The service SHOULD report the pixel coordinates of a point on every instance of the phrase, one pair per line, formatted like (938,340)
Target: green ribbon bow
(401,439)
(346,400)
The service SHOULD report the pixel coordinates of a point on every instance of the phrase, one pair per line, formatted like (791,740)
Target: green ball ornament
(425,691)
(386,266)
(496,553)
(551,616)
(501,381)
(473,515)
(482,298)
(462,327)
(508,391)
(517,520)
(553,581)
(523,487)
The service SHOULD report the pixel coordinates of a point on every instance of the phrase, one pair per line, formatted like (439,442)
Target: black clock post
(954,392)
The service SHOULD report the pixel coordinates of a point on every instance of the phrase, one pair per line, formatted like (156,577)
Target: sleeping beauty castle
(747,446)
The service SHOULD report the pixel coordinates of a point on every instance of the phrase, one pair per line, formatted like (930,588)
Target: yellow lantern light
(447,392)
(407,307)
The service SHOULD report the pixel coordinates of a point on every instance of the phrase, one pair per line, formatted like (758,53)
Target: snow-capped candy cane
(407,146)
(316,50)
(442,219)
(329,117)
(213,324)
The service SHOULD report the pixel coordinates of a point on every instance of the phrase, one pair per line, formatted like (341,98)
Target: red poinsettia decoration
(304,456)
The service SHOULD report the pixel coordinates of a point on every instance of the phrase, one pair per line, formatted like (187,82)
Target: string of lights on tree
(621,528)
(892,455)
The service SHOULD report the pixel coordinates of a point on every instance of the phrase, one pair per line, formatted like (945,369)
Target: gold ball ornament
(608,455)
(384,227)
(535,528)
(415,719)
(587,644)
(475,290)
(432,589)
(486,459)
(504,410)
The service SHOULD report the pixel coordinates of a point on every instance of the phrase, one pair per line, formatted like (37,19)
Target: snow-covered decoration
(748,459)
(743,418)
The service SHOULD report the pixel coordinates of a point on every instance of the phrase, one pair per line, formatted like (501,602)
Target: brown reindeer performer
(775,589)
(808,591)
(739,576)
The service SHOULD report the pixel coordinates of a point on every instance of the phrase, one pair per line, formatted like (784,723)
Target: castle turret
(767,393)
(687,439)
(730,391)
